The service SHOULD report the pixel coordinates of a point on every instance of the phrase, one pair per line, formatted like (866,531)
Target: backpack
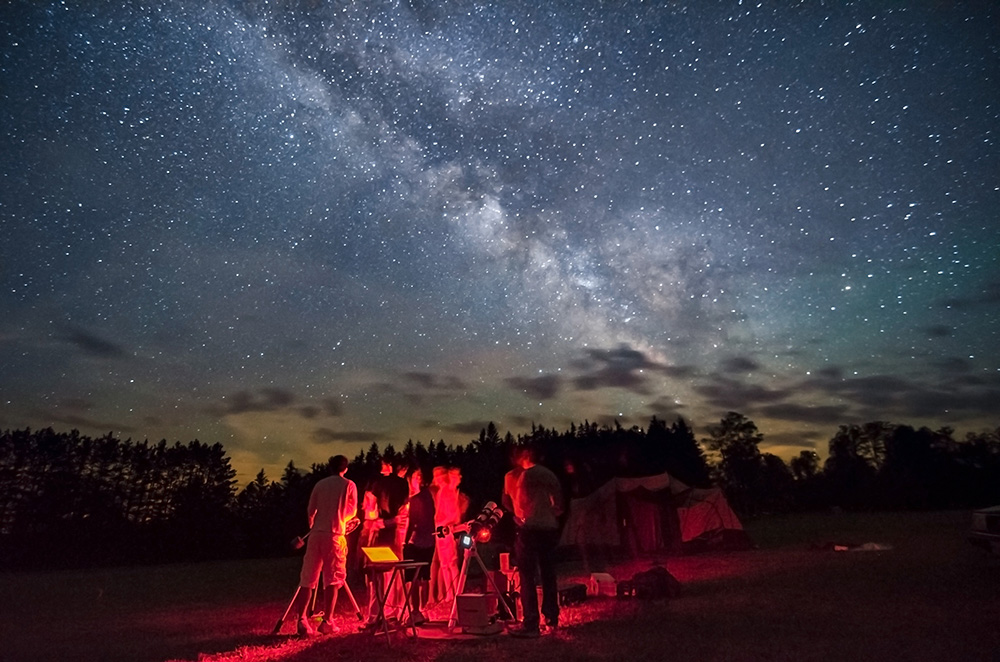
(655,584)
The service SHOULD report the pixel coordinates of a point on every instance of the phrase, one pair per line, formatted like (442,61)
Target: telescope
(475,530)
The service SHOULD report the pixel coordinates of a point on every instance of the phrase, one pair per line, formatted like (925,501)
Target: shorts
(326,553)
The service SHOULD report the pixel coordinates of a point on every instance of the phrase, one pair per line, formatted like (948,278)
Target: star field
(300,227)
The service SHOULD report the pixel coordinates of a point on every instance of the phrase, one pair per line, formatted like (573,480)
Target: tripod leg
(354,603)
(459,587)
(277,626)
(493,583)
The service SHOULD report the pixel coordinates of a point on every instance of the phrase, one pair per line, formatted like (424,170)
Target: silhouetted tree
(685,458)
(805,466)
(740,467)
(849,469)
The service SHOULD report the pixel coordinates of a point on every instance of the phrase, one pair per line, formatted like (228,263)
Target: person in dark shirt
(385,508)
(420,537)
(538,504)
(385,498)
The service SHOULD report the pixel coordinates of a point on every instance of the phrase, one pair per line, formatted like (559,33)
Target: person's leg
(436,582)
(424,577)
(336,571)
(547,569)
(447,567)
(395,595)
(312,565)
(527,563)
(329,604)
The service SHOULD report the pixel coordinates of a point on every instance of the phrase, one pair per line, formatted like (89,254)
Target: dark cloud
(951,399)
(78,413)
(820,414)
(76,421)
(881,397)
(417,387)
(522,422)
(536,388)
(95,345)
(329,436)
(831,372)
(267,399)
(739,364)
(468,428)
(430,380)
(987,296)
(276,398)
(875,392)
(622,367)
(680,371)
(953,365)
(734,395)
(332,407)
(665,409)
(805,439)
(938,331)
(76,404)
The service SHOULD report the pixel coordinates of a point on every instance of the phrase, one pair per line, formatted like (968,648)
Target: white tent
(653,514)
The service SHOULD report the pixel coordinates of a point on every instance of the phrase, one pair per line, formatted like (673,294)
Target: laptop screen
(379,554)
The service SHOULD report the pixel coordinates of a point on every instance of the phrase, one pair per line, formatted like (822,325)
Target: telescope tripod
(312,605)
(463,575)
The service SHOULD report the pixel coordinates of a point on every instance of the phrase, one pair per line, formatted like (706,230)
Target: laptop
(379,554)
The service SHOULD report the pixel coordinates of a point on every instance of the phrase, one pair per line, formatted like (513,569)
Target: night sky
(297,228)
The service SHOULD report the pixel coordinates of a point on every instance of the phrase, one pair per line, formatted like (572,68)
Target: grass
(931,597)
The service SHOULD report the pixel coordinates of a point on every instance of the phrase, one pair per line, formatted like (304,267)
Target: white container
(601,583)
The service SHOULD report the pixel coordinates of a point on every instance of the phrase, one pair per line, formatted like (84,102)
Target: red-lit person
(510,479)
(385,510)
(420,539)
(332,503)
(449,509)
(538,503)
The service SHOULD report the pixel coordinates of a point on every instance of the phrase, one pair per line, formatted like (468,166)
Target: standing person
(385,503)
(332,503)
(420,539)
(506,531)
(538,503)
(510,479)
(402,469)
(449,506)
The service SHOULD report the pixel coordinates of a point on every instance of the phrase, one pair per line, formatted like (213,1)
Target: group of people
(402,510)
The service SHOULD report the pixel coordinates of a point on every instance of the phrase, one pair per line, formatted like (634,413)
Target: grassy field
(932,596)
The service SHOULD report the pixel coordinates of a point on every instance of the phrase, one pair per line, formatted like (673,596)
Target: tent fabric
(706,511)
(655,513)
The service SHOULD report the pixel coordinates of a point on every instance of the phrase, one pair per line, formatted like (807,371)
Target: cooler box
(476,610)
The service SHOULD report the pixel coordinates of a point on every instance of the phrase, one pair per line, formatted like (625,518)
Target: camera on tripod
(475,530)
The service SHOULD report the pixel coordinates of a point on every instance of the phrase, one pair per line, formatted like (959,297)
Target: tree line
(70,500)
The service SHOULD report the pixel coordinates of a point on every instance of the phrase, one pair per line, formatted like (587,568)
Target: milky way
(298,228)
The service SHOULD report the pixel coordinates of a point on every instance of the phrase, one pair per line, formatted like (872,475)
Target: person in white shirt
(332,503)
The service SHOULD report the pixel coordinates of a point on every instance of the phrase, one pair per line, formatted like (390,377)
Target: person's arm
(519,500)
(350,503)
(416,514)
(506,500)
(370,506)
(556,496)
(312,507)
